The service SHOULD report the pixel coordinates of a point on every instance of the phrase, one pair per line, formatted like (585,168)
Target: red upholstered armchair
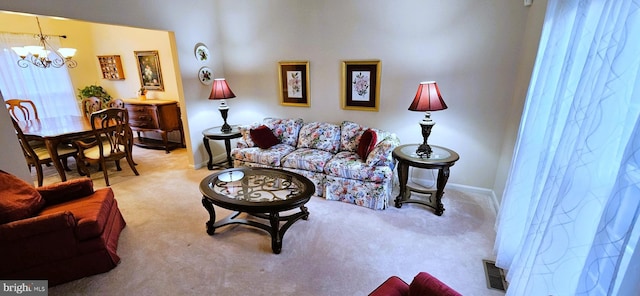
(423,284)
(59,232)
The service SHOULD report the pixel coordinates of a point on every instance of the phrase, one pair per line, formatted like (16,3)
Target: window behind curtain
(50,89)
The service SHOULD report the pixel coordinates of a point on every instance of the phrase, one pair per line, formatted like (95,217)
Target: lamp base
(424,150)
(226,128)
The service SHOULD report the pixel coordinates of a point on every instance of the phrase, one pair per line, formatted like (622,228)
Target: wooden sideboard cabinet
(160,116)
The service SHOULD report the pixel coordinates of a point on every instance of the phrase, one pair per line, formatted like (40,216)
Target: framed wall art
(149,70)
(294,83)
(361,85)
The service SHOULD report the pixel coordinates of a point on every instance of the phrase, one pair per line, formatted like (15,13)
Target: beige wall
(474,49)
(471,48)
(92,40)
(529,50)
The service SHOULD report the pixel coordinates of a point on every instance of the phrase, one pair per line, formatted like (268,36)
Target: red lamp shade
(428,98)
(221,90)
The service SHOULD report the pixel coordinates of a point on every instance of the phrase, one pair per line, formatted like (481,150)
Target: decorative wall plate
(206,75)
(202,52)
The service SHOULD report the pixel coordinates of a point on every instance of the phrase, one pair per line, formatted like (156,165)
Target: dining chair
(112,141)
(22,110)
(116,103)
(39,155)
(90,105)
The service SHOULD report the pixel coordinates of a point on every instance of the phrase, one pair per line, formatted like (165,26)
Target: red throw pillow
(367,142)
(263,137)
(19,200)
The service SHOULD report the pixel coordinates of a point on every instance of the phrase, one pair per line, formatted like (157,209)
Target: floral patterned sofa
(327,154)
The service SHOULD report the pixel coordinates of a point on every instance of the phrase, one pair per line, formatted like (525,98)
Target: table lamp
(221,91)
(427,99)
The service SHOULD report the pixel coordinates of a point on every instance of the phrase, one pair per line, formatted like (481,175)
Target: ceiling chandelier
(45,55)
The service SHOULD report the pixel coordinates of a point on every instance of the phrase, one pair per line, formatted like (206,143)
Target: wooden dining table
(56,130)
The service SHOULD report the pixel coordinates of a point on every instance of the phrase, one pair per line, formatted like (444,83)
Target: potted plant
(94,91)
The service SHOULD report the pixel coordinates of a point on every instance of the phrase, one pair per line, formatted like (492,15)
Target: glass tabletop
(258,185)
(439,155)
(215,131)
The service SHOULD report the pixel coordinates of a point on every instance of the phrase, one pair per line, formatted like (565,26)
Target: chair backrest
(22,109)
(116,103)
(90,105)
(30,155)
(111,126)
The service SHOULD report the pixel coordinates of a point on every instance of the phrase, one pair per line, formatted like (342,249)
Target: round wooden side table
(441,159)
(215,133)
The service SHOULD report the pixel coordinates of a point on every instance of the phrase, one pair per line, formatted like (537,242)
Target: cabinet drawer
(143,116)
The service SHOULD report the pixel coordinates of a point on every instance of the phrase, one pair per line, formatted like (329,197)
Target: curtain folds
(568,219)
(50,89)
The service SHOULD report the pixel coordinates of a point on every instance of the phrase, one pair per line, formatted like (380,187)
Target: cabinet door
(169,117)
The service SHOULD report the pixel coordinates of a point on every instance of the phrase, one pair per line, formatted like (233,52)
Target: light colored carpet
(342,249)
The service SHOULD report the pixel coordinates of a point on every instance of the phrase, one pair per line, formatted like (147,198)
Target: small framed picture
(361,85)
(149,70)
(294,83)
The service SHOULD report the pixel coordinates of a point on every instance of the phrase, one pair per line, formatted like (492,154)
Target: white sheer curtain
(568,222)
(50,89)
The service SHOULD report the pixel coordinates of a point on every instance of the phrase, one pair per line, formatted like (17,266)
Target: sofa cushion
(350,133)
(19,199)
(307,159)
(366,143)
(428,285)
(286,130)
(348,165)
(319,135)
(91,212)
(270,157)
(263,137)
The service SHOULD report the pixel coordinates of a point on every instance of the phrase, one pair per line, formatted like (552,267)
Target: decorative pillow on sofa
(285,129)
(263,137)
(20,200)
(366,143)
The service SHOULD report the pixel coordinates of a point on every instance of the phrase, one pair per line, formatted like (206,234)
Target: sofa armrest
(426,284)
(65,191)
(382,153)
(393,286)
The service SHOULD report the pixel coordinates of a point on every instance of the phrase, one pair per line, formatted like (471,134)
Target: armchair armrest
(381,155)
(66,191)
(25,228)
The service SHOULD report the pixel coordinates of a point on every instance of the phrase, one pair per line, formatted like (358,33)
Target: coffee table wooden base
(273,228)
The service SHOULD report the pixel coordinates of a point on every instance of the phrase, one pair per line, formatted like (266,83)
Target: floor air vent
(494,276)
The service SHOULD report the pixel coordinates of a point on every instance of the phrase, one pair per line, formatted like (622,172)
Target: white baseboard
(490,194)
(216,159)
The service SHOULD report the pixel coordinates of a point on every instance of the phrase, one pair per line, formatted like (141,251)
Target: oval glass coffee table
(259,192)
